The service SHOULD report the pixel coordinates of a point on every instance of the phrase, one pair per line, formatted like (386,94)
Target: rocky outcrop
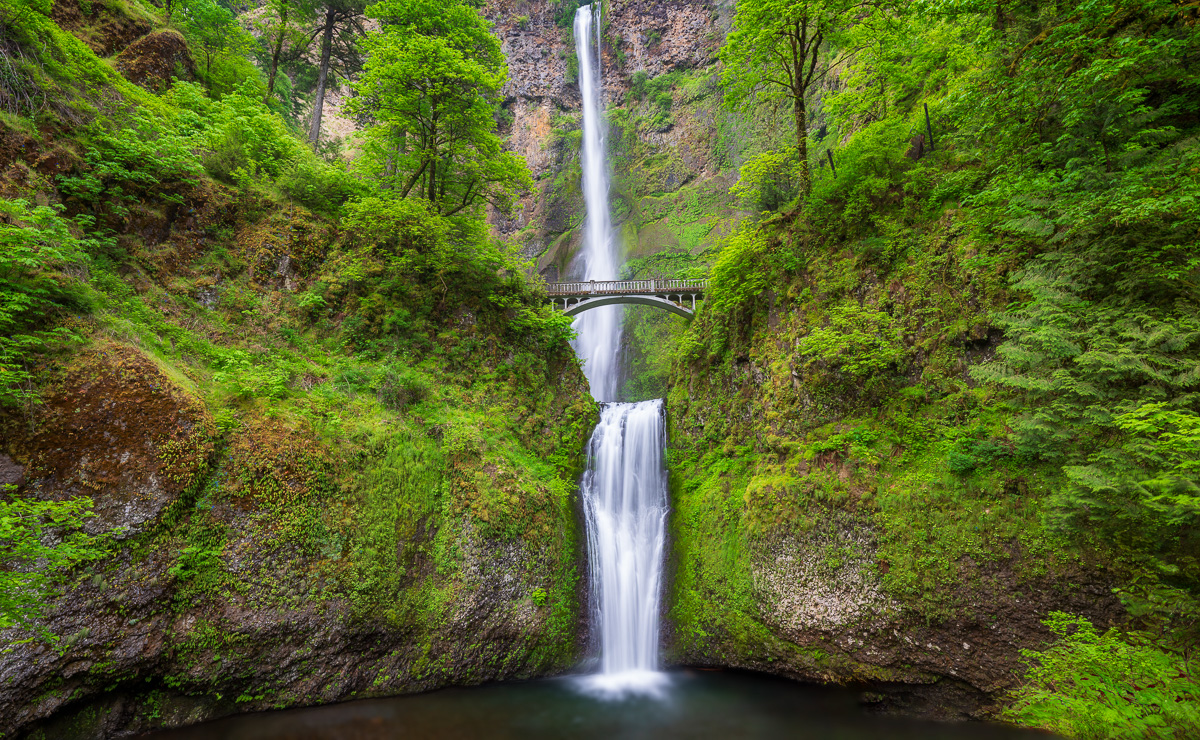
(660,36)
(105,28)
(155,59)
(826,526)
(117,429)
(246,571)
(828,618)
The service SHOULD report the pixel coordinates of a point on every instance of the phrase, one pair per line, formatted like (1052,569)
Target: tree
(431,87)
(339,25)
(776,51)
(281,33)
(213,31)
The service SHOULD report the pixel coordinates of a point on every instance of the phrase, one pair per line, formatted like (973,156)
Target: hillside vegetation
(271,403)
(958,374)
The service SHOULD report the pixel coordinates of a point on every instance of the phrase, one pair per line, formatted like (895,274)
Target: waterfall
(625,488)
(625,505)
(599,329)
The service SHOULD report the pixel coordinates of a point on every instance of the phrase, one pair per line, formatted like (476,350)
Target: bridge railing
(617,287)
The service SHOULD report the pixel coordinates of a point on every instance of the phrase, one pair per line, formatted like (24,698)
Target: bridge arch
(640,300)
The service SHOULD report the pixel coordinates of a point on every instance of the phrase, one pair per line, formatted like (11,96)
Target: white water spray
(600,328)
(625,488)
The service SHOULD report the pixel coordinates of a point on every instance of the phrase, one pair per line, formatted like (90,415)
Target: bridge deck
(626,287)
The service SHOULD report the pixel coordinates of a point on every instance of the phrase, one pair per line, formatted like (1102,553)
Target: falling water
(625,503)
(600,328)
(624,490)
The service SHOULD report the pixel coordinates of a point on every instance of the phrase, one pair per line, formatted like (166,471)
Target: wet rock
(116,428)
(11,474)
(153,60)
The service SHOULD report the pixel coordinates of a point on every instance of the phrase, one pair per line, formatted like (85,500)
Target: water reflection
(693,705)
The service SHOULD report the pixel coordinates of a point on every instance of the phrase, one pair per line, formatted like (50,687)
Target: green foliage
(874,181)
(403,485)
(239,137)
(1101,352)
(250,378)
(1098,685)
(32,569)
(400,388)
(770,180)
(431,87)
(213,31)
(412,257)
(146,155)
(49,74)
(740,272)
(37,246)
(775,53)
(637,85)
(564,12)
(859,340)
(658,93)
(395,415)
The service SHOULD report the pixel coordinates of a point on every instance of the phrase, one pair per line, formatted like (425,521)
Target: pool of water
(687,704)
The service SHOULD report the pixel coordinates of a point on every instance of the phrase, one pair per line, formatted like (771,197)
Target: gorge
(289,423)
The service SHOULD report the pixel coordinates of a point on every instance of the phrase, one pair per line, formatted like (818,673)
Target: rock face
(662,36)
(651,155)
(154,59)
(119,430)
(801,590)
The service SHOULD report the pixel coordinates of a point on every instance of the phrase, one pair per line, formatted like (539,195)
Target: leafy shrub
(637,85)
(1097,685)
(770,180)
(398,390)
(147,155)
(36,245)
(318,185)
(31,568)
(221,43)
(872,173)
(239,136)
(564,13)
(236,132)
(859,340)
(251,378)
(740,271)
(967,455)
(193,562)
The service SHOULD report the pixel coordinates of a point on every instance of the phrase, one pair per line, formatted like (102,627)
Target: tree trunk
(314,132)
(802,141)
(431,191)
(277,51)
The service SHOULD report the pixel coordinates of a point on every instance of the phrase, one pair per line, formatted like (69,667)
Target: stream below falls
(699,704)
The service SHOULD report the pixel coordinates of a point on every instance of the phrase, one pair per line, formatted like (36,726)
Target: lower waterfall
(625,505)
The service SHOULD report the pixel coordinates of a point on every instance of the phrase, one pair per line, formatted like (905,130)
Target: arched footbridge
(677,296)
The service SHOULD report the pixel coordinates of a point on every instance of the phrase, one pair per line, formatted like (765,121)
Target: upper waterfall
(600,329)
